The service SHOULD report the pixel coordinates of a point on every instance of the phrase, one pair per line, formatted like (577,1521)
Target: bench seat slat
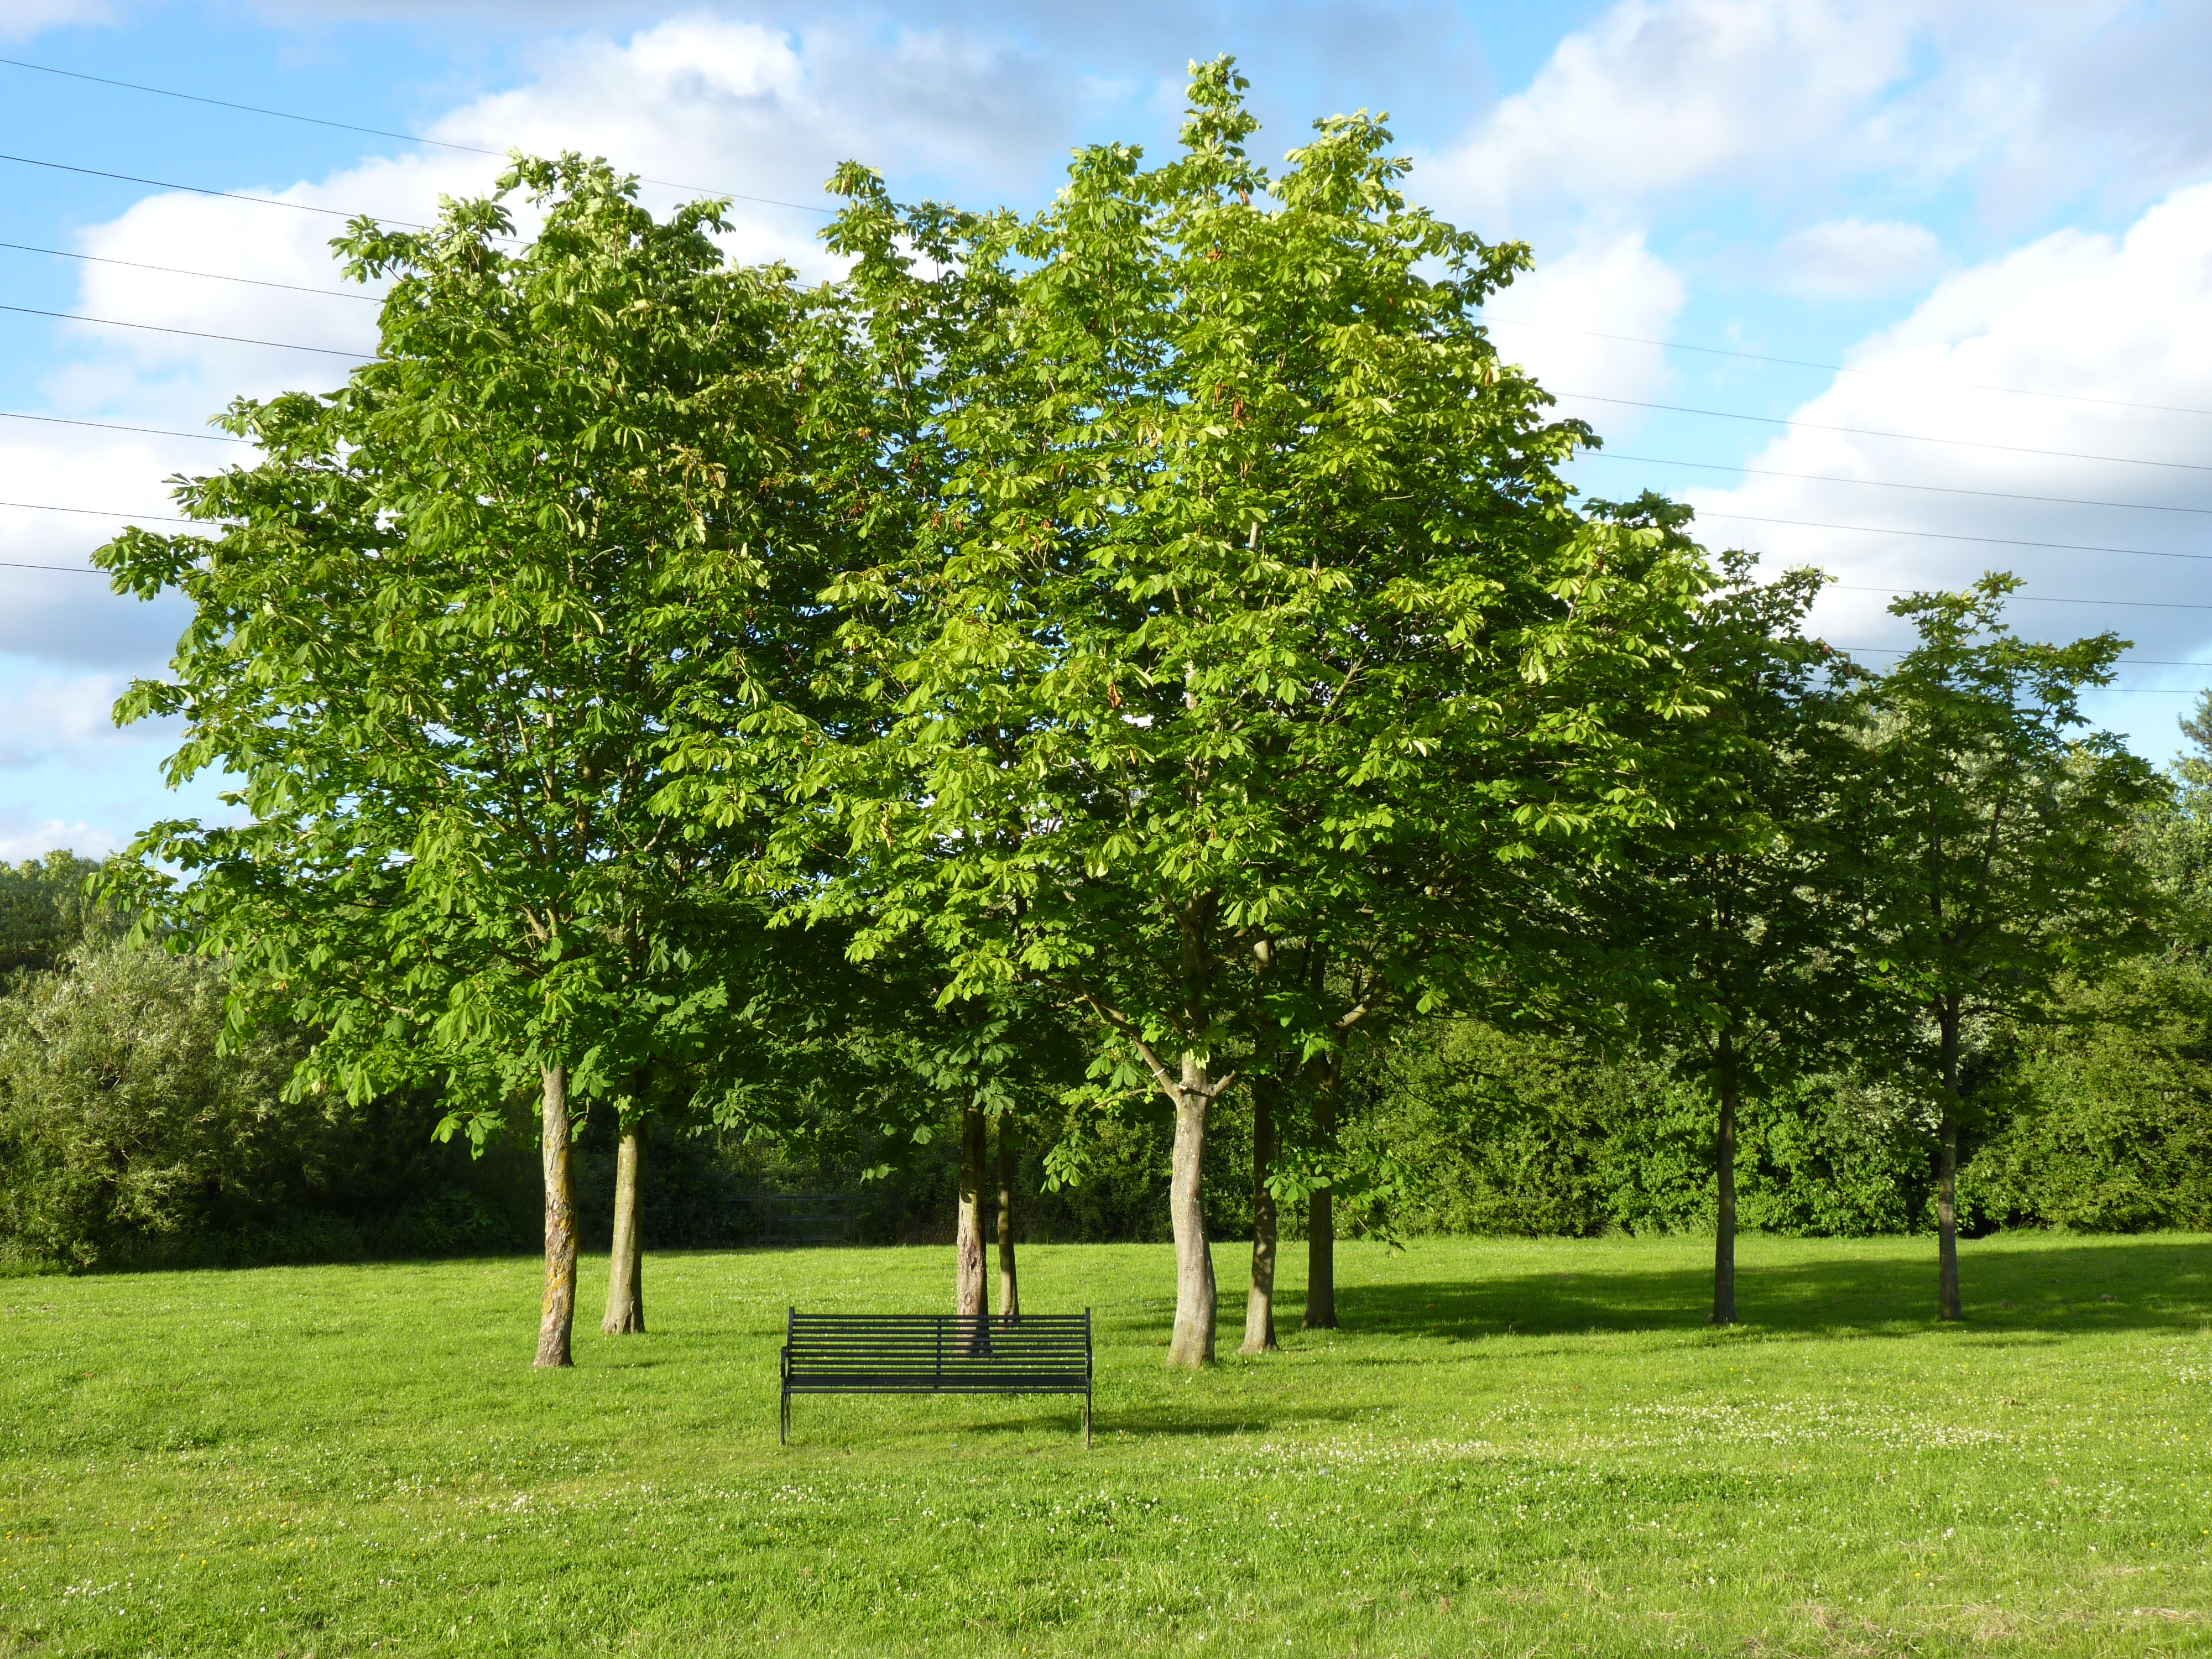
(931,1353)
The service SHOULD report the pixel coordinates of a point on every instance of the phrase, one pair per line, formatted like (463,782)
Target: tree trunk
(1947,1179)
(626,1261)
(558,1317)
(1724,1219)
(1946,1224)
(971,1296)
(1010,1286)
(1195,1301)
(1320,1212)
(1260,1302)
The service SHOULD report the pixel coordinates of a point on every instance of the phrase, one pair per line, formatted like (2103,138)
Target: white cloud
(717,104)
(1553,320)
(1857,258)
(51,715)
(21,18)
(1654,97)
(2122,328)
(35,840)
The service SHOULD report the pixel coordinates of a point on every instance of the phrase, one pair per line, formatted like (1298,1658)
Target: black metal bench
(931,1353)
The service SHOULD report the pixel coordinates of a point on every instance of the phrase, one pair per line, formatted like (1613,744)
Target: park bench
(937,1354)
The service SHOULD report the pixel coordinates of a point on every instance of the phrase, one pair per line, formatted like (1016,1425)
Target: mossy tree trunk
(558,1317)
(1260,1300)
(1010,1290)
(1947,1305)
(1321,1211)
(1197,1301)
(1724,1217)
(626,1261)
(970,1292)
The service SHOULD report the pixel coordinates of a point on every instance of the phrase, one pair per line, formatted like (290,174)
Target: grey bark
(970,1293)
(1010,1289)
(1724,1220)
(1196,1303)
(1260,1300)
(558,1317)
(1320,1215)
(1946,1188)
(626,1260)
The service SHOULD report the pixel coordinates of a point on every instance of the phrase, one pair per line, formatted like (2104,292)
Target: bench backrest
(933,1350)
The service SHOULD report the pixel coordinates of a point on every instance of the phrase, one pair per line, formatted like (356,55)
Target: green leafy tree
(445,635)
(1734,914)
(1997,842)
(1253,613)
(46,913)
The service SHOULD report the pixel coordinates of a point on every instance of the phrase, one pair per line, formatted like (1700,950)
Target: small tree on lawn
(1996,843)
(1732,915)
(445,634)
(1253,614)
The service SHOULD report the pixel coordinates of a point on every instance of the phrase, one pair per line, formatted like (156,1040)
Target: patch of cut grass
(1513,1446)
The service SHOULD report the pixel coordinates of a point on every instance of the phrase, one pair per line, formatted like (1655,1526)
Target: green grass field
(1512,1449)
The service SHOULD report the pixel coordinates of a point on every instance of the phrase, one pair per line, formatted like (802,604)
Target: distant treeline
(127,1140)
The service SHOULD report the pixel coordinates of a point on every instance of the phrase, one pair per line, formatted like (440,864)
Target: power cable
(2044,598)
(381,132)
(202,189)
(1840,369)
(1864,432)
(1878,483)
(96,513)
(113,426)
(1947,536)
(212,277)
(2122,662)
(192,333)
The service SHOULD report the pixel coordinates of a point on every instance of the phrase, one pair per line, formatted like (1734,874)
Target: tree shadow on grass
(2055,1290)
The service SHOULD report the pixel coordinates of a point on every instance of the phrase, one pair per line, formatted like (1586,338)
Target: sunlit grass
(1512,1447)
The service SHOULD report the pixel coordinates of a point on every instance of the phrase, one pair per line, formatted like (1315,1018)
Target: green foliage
(45,914)
(444,631)
(1996,841)
(129,1136)
(1513,1133)
(1258,611)
(2108,1124)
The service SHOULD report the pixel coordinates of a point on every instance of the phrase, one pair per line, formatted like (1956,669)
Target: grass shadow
(2056,1290)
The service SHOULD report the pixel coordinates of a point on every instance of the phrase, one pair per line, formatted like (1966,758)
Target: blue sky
(1986,227)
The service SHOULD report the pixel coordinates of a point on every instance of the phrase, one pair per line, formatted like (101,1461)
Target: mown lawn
(1512,1449)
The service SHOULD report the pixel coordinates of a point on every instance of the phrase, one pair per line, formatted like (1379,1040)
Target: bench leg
(1086,1422)
(784,1425)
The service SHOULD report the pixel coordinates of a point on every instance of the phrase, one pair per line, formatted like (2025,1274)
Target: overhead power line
(2121,662)
(96,513)
(1947,536)
(1865,432)
(1841,368)
(114,426)
(202,189)
(210,276)
(1882,484)
(193,333)
(379,132)
(2044,598)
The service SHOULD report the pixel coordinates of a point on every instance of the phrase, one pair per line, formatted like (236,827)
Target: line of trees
(1143,649)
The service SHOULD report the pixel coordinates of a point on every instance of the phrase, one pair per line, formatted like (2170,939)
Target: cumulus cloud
(1554,321)
(52,714)
(719,104)
(1856,259)
(2117,332)
(22,838)
(1656,96)
(21,18)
